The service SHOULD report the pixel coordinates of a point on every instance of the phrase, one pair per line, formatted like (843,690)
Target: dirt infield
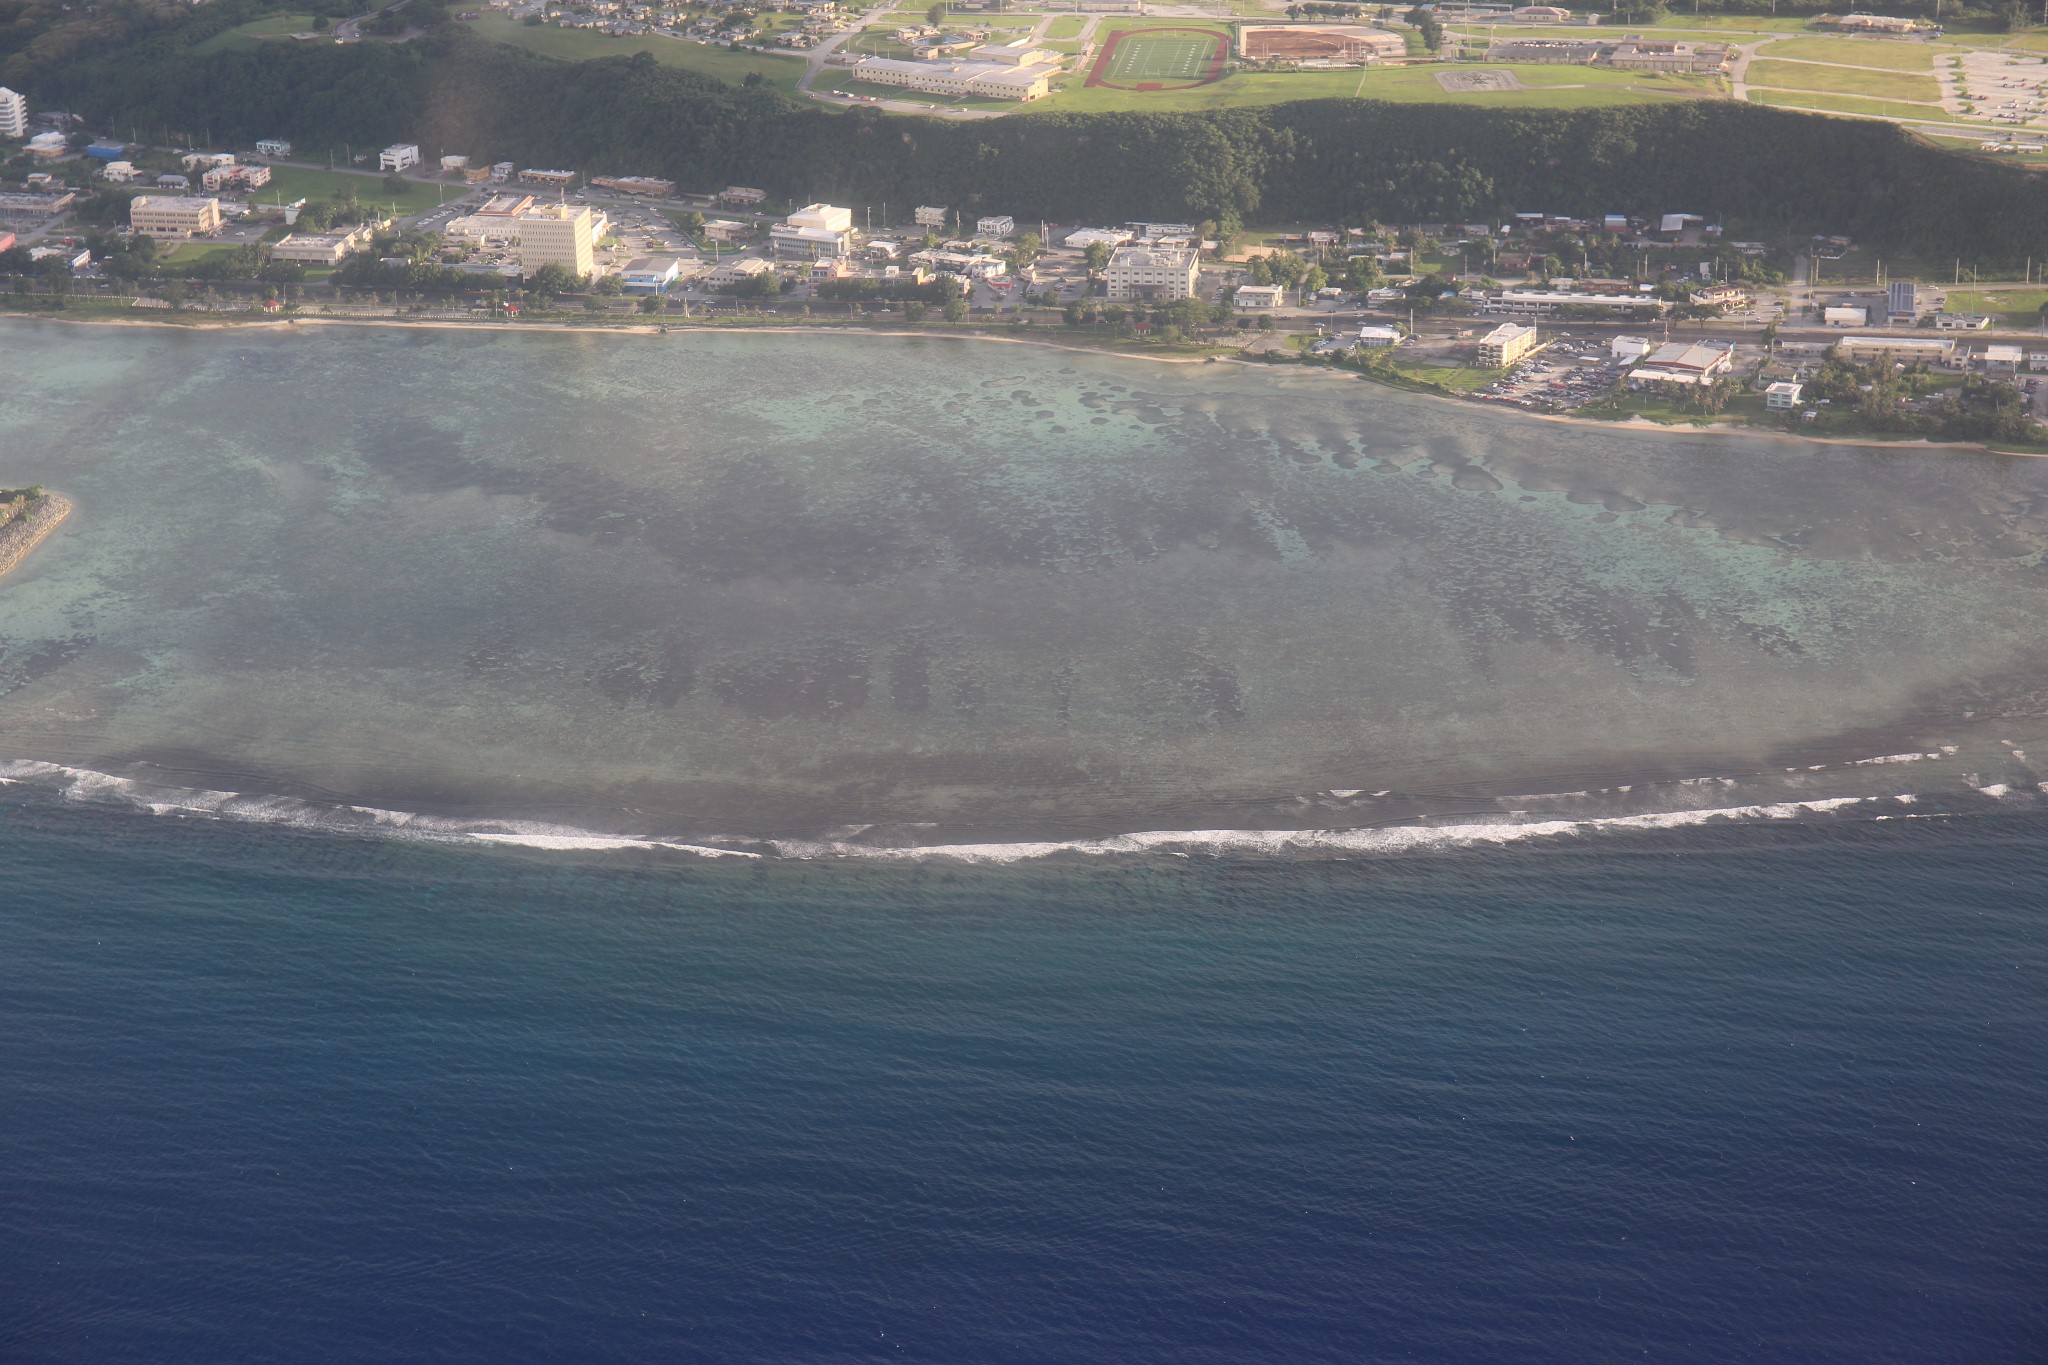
(1320,42)
(1098,74)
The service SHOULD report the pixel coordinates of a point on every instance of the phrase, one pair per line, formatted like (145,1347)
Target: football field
(1152,58)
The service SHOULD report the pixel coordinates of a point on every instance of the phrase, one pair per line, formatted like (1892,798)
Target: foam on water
(844,842)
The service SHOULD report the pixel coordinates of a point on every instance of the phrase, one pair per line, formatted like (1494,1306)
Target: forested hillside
(1325,159)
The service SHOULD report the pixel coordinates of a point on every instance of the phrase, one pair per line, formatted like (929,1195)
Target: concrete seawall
(23,534)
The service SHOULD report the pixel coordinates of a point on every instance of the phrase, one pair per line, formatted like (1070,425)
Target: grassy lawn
(1963,143)
(292,182)
(1835,80)
(1834,104)
(575,45)
(187,252)
(1549,87)
(1068,26)
(248,35)
(2007,307)
(1884,54)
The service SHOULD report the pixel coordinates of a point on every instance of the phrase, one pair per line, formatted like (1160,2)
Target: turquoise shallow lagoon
(826,587)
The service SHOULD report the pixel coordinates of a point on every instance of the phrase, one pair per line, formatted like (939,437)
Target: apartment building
(398,157)
(1505,345)
(13,115)
(1152,274)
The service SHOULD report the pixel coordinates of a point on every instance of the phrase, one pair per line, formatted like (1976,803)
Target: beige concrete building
(1152,274)
(559,234)
(153,215)
(13,115)
(1505,345)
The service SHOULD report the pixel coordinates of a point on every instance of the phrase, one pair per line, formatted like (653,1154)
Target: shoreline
(19,537)
(1633,423)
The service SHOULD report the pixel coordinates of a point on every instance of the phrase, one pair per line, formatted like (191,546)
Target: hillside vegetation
(1331,159)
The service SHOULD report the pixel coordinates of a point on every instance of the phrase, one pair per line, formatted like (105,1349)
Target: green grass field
(1891,54)
(187,252)
(1835,80)
(2007,307)
(268,29)
(292,182)
(575,45)
(1834,104)
(1068,26)
(1548,87)
(1168,57)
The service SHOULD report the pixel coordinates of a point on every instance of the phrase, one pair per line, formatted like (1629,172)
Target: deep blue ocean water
(1761,1093)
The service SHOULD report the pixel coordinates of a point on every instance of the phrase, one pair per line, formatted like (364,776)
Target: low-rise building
(1842,316)
(75,258)
(1685,362)
(651,274)
(319,248)
(1257,298)
(1629,349)
(995,225)
(274,147)
(398,157)
(741,197)
(2003,359)
(156,216)
(1505,345)
(1538,303)
(1783,396)
(234,176)
(1373,336)
(1083,238)
(728,273)
(173,181)
(119,172)
(559,180)
(986,80)
(1152,274)
(1961,322)
(202,161)
(1900,348)
(930,215)
(453,163)
(1902,299)
(647,186)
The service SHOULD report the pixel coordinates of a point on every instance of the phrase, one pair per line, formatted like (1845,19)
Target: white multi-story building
(930,215)
(1505,345)
(559,234)
(274,147)
(812,233)
(155,216)
(1152,274)
(995,225)
(399,156)
(13,115)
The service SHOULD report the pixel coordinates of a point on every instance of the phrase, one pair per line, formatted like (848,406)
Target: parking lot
(1565,375)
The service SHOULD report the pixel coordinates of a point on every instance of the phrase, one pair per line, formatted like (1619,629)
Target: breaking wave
(1514,825)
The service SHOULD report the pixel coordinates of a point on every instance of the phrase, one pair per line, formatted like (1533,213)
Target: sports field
(1161,58)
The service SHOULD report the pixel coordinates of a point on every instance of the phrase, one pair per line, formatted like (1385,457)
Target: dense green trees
(1322,160)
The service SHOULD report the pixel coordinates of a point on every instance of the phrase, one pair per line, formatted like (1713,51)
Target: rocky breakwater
(27,516)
